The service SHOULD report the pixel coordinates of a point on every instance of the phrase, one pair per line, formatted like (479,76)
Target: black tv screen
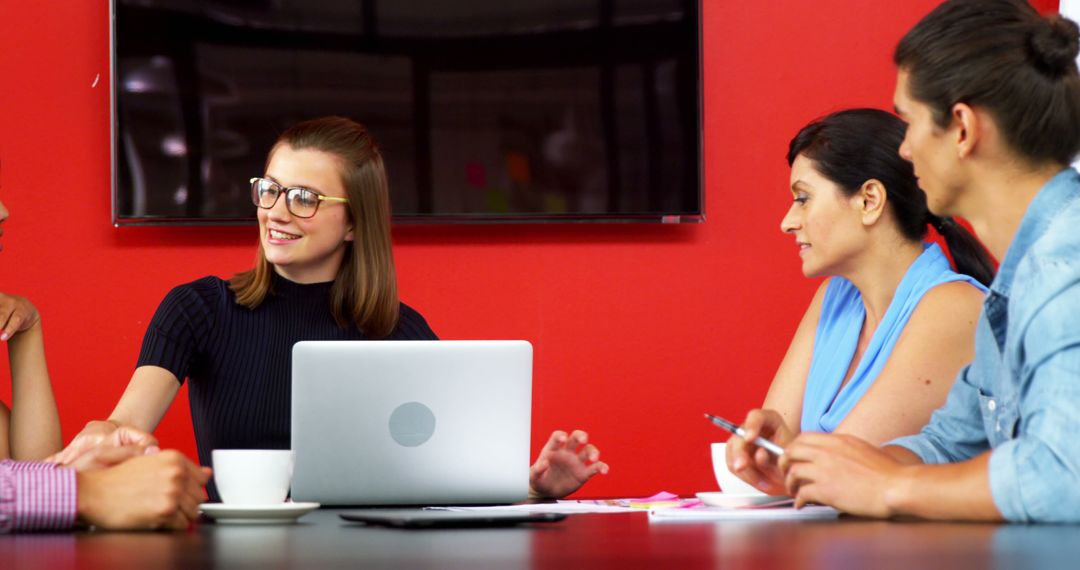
(485,110)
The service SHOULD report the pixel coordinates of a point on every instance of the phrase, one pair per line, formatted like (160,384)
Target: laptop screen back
(411,422)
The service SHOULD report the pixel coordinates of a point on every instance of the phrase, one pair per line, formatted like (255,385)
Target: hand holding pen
(755,462)
(758,441)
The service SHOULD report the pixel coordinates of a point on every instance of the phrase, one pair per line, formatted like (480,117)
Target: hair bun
(1055,44)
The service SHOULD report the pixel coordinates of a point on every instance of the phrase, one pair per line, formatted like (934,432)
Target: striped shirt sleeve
(36,496)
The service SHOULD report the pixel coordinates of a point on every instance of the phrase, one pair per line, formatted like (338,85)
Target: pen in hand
(758,441)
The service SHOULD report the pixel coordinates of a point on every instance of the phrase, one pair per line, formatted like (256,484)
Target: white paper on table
(813,512)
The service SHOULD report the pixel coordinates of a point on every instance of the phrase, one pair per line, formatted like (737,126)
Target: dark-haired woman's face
(825,222)
(926,146)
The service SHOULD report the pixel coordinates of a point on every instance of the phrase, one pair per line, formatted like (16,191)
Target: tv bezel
(418,219)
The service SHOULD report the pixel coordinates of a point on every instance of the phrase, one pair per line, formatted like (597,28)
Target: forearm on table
(127,415)
(35,421)
(148,396)
(952,491)
(902,455)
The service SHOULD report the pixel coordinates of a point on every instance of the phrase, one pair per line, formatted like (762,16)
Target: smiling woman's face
(306,250)
(825,223)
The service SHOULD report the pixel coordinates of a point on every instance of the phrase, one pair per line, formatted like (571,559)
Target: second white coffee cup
(253,476)
(728,481)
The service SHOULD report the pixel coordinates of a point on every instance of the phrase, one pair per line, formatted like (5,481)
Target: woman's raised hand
(564,465)
(754,464)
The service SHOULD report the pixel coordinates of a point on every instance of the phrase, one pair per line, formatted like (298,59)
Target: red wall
(638,329)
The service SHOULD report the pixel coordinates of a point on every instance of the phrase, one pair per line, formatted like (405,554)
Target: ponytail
(969,255)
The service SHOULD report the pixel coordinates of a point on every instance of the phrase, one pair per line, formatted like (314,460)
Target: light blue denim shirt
(1020,396)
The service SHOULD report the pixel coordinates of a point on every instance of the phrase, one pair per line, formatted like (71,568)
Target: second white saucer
(740,500)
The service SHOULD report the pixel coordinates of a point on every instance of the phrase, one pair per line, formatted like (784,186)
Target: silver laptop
(411,422)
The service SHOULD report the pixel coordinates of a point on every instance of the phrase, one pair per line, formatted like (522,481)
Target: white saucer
(284,513)
(740,500)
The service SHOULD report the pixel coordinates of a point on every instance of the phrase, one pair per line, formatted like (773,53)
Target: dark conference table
(322,540)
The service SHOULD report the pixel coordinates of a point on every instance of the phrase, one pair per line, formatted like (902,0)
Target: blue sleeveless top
(841,321)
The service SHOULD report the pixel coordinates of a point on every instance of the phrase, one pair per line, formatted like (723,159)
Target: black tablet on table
(425,518)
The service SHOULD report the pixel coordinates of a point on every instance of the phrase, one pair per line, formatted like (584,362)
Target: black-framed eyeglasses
(301,202)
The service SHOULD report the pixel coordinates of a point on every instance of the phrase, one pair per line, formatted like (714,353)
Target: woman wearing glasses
(324,271)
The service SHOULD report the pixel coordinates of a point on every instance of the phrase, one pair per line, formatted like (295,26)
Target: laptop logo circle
(412,424)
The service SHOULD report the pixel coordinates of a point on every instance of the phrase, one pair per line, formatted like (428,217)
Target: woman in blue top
(884,336)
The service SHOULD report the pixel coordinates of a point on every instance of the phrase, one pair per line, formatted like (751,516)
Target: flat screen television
(485,110)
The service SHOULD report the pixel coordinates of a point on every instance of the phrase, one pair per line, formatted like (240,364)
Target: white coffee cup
(253,476)
(728,481)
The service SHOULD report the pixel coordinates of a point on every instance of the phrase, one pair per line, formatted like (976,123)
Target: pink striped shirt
(36,496)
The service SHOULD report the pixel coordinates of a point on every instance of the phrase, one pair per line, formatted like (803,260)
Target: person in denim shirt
(991,94)
(1021,394)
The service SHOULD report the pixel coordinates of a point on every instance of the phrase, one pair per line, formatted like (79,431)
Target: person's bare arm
(938,340)
(785,394)
(35,421)
(860,478)
(902,455)
(148,396)
(33,427)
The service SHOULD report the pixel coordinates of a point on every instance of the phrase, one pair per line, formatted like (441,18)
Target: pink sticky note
(661,496)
